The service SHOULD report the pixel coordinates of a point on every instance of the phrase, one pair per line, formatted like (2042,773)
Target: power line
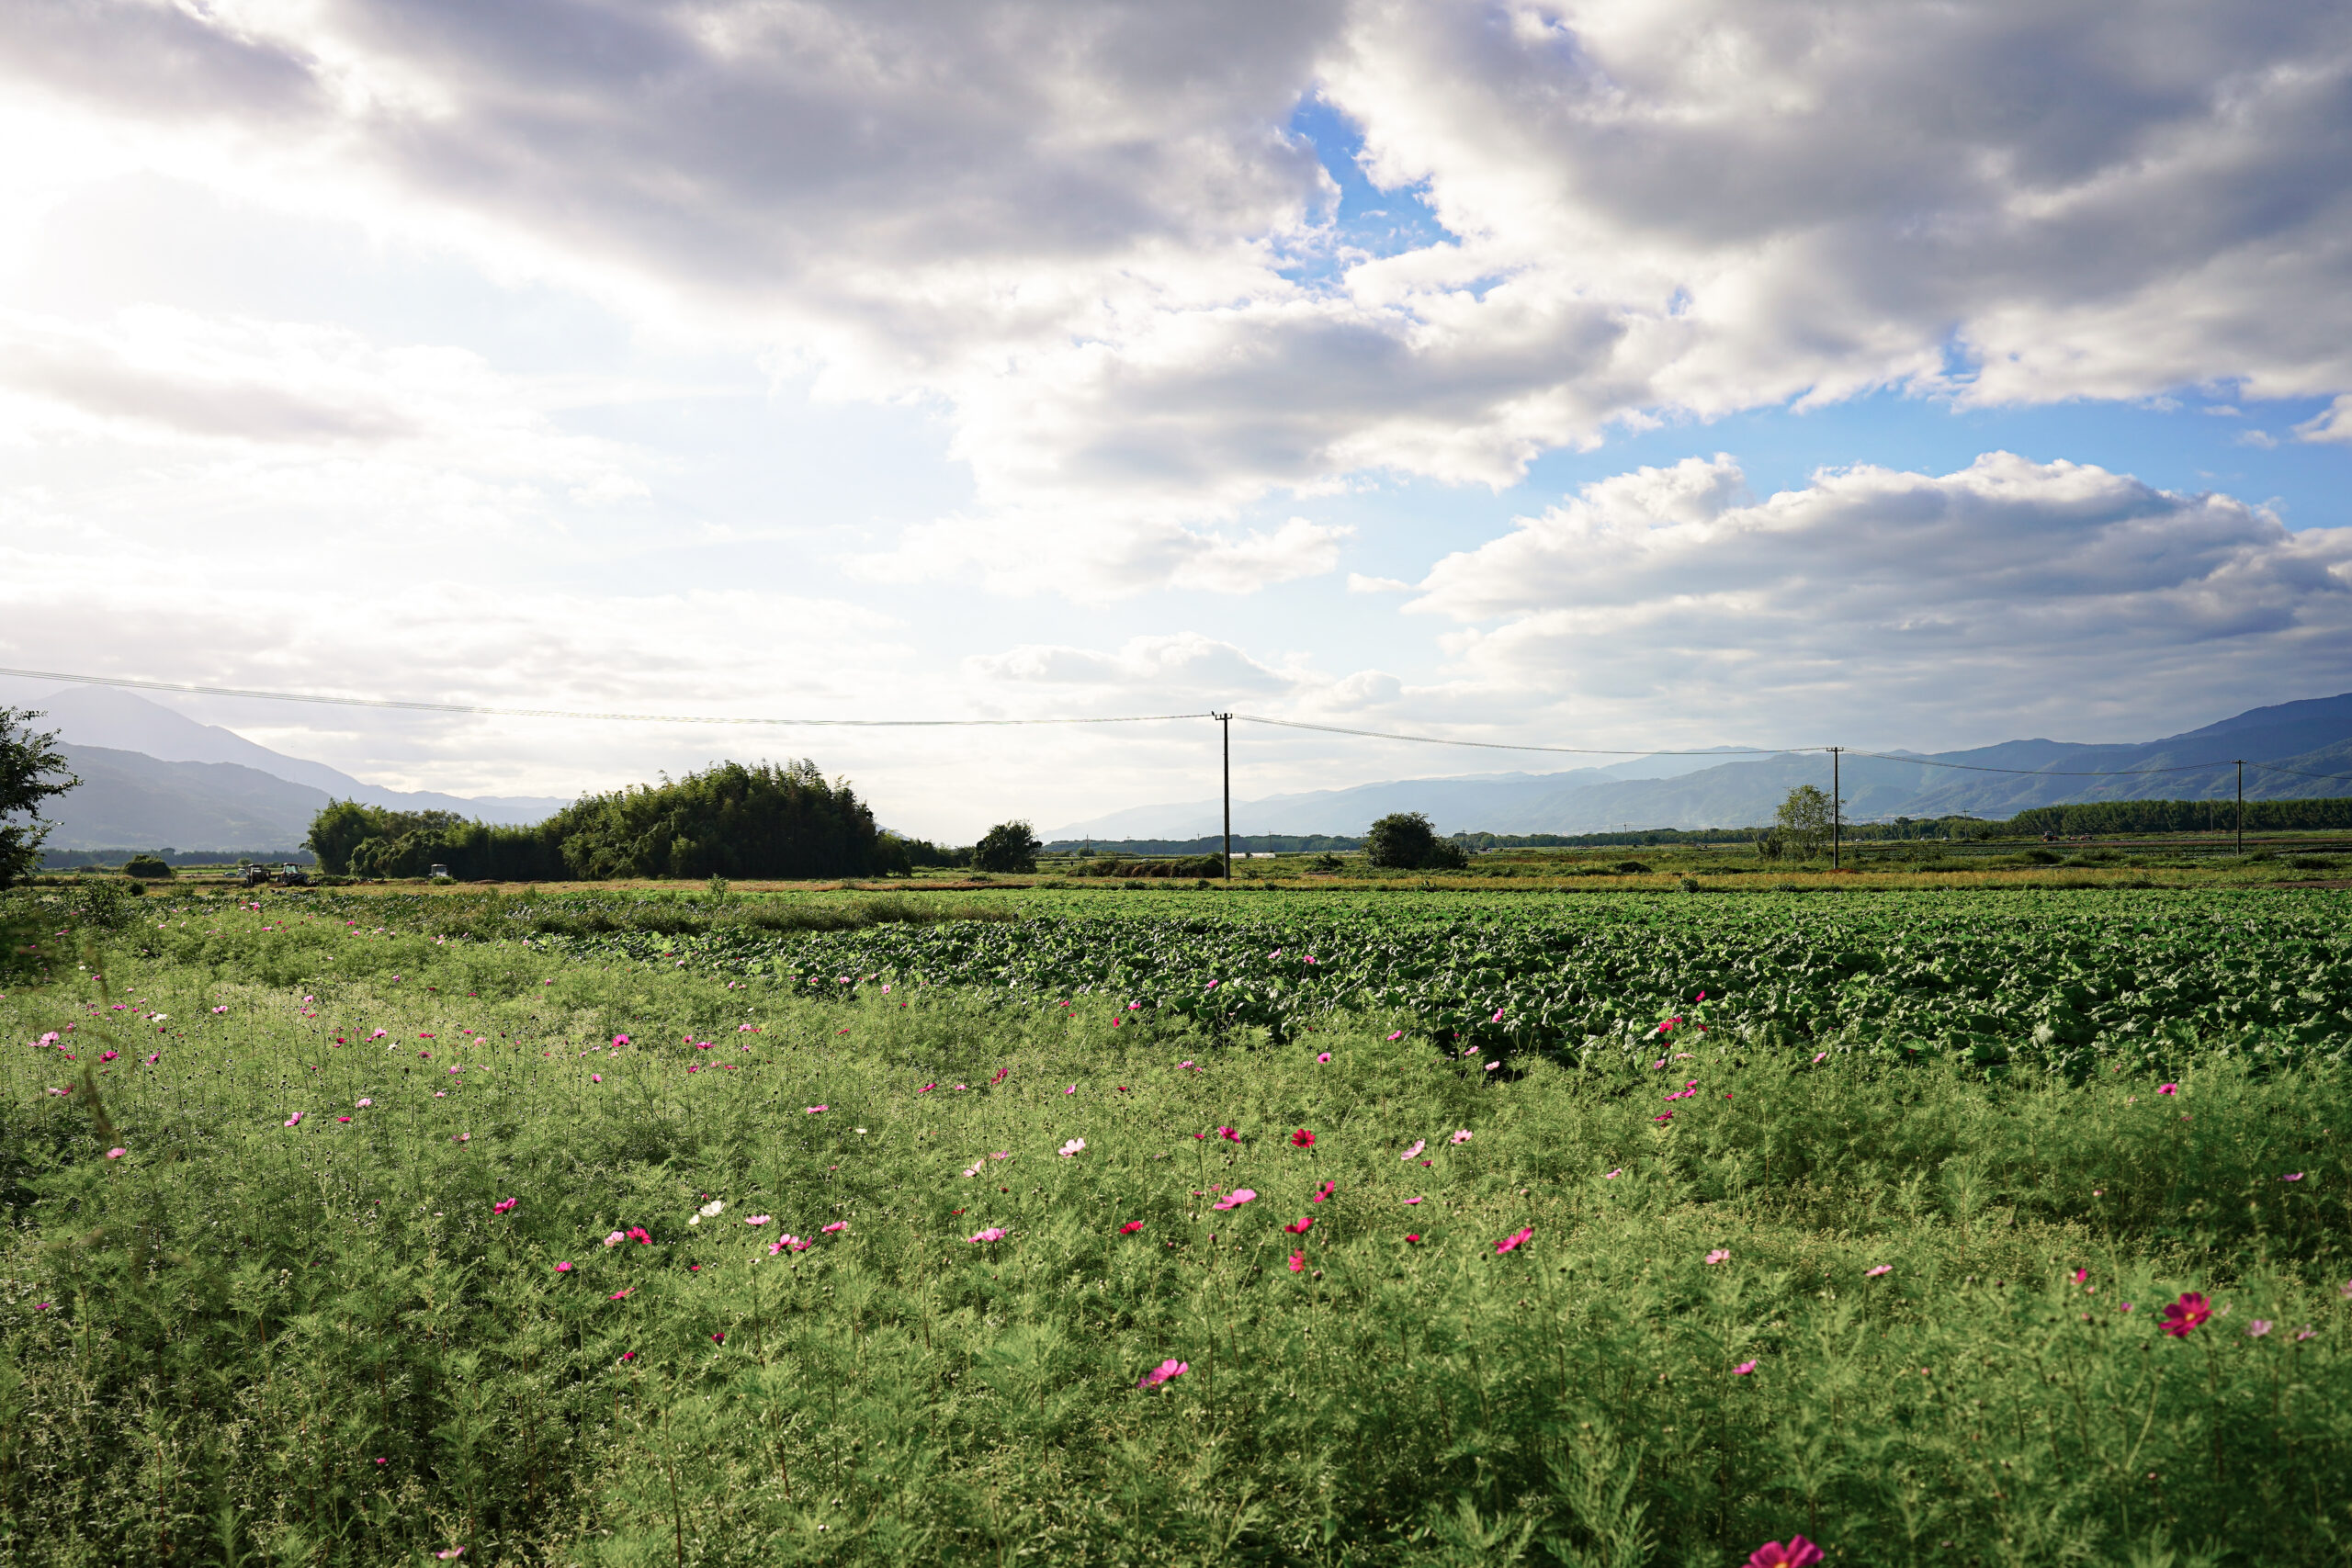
(132,684)
(129,683)
(1511,746)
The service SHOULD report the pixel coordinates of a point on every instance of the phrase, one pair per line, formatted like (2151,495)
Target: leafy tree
(1007,846)
(148,866)
(1403,840)
(1804,821)
(31,770)
(757,820)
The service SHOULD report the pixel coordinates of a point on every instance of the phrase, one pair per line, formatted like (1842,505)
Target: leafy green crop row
(2065,983)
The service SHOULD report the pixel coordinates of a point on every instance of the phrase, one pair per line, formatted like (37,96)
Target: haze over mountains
(2312,738)
(152,777)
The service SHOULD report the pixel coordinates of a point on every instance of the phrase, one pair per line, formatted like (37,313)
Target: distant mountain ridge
(2312,737)
(113,720)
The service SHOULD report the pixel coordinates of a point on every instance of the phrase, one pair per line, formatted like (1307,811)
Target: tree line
(735,819)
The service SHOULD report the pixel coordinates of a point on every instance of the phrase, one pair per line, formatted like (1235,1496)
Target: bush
(147,867)
(1403,840)
(1007,847)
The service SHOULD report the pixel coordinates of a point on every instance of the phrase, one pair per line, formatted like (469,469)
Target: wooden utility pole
(1227,719)
(2240,805)
(1836,813)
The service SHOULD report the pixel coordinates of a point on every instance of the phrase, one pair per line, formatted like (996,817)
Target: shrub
(1403,840)
(147,867)
(1007,847)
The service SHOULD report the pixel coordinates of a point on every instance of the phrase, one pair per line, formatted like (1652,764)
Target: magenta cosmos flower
(2184,1316)
(1514,1241)
(1302,1139)
(1235,1199)
(1298,1263)
(564,1268)
(1166,1371)
(505,1205)
(993,1232)
(1743,1369)
(1798,1554)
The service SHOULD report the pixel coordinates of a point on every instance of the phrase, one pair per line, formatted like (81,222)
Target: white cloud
(1069,228)
(1992,599)
(1359,583)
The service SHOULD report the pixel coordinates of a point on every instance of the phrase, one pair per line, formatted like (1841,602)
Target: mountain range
(2307,745)
(152,777)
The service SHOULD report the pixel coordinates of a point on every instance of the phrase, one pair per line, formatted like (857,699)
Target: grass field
(497,1224)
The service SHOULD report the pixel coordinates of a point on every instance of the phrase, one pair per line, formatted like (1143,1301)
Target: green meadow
(358,1229)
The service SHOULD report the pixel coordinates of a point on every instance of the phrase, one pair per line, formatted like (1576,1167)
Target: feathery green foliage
(323,1341)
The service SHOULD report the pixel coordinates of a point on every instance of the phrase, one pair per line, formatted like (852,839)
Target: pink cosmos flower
(836,1225)
(1324,1056)
(1460,1137)
(1411,1236)
(1233,1200)
(1131,1227)
(787,1244)
(1302,1139)
(1298,1263)
(1075,1145)
(295,1119)
(362,1104)
(620,1039)
(564,1268)
(1415,1152)
(1498,1017)
(155,1058)
(757,1220)
(505,1205)
(640,1235)
(1874,1273)
(2305,1332)
(1300,1226)
(975,1170)
(1071,1089)
(615,1238)
(596,1078)
(1398,1035)
(1322,1192)
(1819,1057)
(2168,1089)
(1799,1553)
(2258,1327)
(1514,1241)
(117,1154)
(1171,1368)
(927,1088)
(1493,1066)
(1613,1175)
(819,1110)
(2185,1316)
(1186,1068)
(1002,1153)
(1743,1369)
(2297,1177)
(1410,1202)
(1720,1255)
(993,1232)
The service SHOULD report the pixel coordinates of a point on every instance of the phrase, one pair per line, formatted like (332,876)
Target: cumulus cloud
(2007,590)
(1074,228)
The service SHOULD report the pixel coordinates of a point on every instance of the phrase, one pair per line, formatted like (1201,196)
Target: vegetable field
(2041,982)
(1992,1229)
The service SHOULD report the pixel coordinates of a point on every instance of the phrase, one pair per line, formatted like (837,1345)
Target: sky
(1658,374)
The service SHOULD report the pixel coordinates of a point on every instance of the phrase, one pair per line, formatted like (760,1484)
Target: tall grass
(245,1342)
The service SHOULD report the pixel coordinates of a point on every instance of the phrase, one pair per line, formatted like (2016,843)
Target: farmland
(1545,1258)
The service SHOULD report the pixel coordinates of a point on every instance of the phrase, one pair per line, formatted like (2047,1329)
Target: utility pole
(2240,805)
(1227,719)
(1837,812)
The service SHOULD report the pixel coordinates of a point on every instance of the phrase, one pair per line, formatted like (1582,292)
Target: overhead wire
(400,704)
(393,702)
